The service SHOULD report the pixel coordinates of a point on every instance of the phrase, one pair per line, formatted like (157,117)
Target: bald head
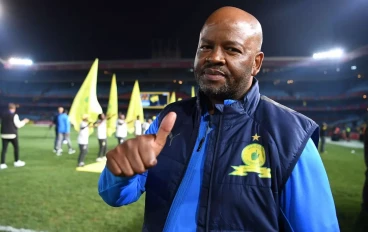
(240,19)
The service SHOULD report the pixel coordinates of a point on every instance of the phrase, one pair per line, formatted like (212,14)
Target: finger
(125,167)
(113,166)
(147,154)
(136,162)
(165,128)
(117,155)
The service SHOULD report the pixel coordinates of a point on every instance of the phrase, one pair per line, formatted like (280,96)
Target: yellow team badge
(254,157)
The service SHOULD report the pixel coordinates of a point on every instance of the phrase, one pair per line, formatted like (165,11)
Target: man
(347,132)
(323,137)
(145,126)
(55,122)
(362,132)
(83,139)
(121,129)
(9,134)
(229,159)
(137,126)
(101,125)
(64,133)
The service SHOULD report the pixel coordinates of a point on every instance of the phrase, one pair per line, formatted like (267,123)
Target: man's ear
(257,64)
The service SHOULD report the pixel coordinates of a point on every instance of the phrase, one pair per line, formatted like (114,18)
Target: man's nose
(217,56)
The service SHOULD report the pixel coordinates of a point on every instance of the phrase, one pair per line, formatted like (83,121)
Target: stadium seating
(327,93)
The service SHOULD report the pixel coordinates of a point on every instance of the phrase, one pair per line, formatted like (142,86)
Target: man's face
(224,61)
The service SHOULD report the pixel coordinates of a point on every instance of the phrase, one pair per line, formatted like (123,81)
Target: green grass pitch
(48,194)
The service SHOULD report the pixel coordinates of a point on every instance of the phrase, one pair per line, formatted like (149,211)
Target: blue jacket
(63,124)
(235,171)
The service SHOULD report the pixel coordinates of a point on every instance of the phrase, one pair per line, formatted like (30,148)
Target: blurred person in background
(145,126)
(55,123)
(149,122)
(121,129)
(65,141)
(101,125)
(336,134)
(10,124)
(137,126)
(83,138)
(64,133)
(361,130)
(229,159)
(347,132)
(323,134)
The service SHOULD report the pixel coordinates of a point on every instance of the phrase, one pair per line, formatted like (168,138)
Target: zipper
(211,176)
(203,138)
(183,186)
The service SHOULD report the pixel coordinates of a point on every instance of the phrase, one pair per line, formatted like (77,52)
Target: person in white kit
(102,136)
(83,138)
(138,126)
(145,126)
(121,129)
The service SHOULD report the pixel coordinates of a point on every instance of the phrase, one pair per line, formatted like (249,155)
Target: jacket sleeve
(307,203)
(118,191)
(17,122)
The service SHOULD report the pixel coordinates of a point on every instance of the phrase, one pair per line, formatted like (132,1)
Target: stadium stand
(327,91)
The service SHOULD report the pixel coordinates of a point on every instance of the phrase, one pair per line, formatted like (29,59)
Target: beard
(232,88)
(214,91)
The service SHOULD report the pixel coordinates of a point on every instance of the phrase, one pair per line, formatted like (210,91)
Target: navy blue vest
(7,123)
(252,152)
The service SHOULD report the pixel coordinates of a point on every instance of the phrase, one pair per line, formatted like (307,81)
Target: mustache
(214,67)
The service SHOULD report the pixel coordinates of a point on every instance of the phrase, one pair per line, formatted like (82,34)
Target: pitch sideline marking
(12,229)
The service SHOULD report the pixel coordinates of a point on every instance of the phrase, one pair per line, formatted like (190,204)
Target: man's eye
(205,47)
(233,49)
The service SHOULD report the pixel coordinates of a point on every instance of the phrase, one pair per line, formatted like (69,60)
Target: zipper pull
(200,144)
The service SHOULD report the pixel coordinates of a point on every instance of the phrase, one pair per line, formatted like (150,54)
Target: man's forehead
(239,29)
(227,25)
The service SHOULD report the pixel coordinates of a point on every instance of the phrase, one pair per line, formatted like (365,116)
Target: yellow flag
(172,97)
(135,108)
(85,102)
(193,91)
(112,109)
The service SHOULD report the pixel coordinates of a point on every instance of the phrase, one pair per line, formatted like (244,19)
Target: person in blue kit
(229,159)
(55,122)
(63,123)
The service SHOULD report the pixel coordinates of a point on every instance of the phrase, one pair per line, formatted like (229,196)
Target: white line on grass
(12,229)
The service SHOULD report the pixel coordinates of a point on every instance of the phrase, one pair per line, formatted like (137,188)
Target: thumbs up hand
(136,156)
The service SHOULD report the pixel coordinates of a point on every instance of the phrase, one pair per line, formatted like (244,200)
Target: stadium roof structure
(269,62)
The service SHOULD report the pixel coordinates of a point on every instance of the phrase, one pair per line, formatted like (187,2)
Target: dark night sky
(56,30)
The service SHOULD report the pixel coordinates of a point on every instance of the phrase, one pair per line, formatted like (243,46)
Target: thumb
(166,126)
